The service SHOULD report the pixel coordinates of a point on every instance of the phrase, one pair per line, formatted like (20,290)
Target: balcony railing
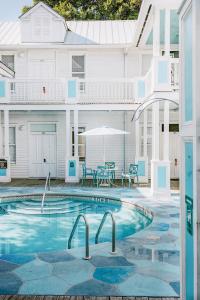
(163,75)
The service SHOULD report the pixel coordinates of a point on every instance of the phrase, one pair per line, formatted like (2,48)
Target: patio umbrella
(103,131)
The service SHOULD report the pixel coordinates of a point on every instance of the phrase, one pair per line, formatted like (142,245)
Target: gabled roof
(36,6)
(80,33)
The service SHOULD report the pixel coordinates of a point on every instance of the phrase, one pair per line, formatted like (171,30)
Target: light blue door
(189,221)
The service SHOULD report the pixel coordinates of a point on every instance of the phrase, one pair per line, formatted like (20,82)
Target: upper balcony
(162,76)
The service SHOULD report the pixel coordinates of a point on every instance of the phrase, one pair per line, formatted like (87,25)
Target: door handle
(44,160)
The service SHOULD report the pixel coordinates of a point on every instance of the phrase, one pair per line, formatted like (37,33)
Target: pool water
(24,230)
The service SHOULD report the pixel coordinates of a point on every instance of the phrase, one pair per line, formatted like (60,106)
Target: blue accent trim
(72,168)
(141,167)
(188,93)
(141,88)
(162,176)
(162,72)
(3,172)
(71,88)
(2,88)
(189,271)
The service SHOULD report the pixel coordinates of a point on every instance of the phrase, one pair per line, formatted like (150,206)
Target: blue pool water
(24,230)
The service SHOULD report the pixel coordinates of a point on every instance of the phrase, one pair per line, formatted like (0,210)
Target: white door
(42,155)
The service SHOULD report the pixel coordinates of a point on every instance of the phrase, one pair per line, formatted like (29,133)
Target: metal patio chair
(132,174)
(103,176)
(87,172)
(111,165)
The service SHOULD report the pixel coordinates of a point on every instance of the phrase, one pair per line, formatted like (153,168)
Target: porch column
(137,138)
(76,133)
(141,158)
(5,166)
(72,163)
(1,136)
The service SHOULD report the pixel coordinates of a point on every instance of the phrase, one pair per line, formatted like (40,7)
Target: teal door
(189,221)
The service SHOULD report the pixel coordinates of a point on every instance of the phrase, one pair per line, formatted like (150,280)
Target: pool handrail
(87,249)
(47,184)
(108,213)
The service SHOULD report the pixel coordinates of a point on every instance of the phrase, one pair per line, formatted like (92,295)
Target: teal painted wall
(187,48)
(141,88)
(162,177)
(71,88)
(72,168)
(141,168)
(174,28)
(162,72)
(2,88)
(189,271)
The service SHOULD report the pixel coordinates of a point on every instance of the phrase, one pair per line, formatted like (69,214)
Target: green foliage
(94,9)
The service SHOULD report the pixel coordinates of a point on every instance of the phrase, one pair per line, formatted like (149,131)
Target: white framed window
(12,144)
(41,28)
(78,70)
(9,60)
(81,144)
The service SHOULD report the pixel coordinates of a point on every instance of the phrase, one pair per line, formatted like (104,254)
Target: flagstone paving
(146,263)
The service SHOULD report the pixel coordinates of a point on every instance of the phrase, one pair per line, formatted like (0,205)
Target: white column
(156,32)
(68,134)
(137,139)
(76,133)
(166,132)
(167,32)
(155,131)
(1,136)
(6,133)
(145,133)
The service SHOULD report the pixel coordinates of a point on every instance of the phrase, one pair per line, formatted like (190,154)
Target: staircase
(51,207)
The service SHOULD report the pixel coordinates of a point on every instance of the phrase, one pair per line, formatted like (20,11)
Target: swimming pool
(23,229)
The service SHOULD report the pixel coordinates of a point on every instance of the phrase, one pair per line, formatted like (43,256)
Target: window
(12,144)
(9,61)
(78,69)
(43,127)
(81,144)
(41,28)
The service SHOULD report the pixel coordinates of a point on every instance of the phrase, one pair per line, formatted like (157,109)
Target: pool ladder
(47,185)
(87,229)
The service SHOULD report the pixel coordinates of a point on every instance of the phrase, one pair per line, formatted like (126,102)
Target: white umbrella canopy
(103,131)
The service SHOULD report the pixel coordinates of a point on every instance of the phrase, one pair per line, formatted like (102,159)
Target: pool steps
(50,208)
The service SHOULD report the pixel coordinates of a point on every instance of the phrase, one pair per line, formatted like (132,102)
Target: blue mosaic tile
(113,275)
(6,266)
(101,261)
(44,286)
(160,227)
(18,259)
(176,286)
(53,257)
(9,283)
(93,288)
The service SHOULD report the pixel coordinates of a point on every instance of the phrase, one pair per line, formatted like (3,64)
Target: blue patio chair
(111,165)
(103,175)
(132,174)
(87,172)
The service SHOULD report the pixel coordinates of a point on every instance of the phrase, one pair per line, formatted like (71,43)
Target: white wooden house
(71,76)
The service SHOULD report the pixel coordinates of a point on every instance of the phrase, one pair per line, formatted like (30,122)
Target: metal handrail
(87,249)
(47,184)
(108,213)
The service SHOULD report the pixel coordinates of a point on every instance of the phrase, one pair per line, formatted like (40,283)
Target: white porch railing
(31,91)
(106,91)
(57,91)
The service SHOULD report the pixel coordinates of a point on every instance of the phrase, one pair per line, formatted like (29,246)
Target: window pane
(8,60)
(78,75)
(12,138)
(78,63)
(13,153)
(43,127)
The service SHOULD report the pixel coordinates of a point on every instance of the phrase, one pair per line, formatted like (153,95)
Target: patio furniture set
(105,175)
